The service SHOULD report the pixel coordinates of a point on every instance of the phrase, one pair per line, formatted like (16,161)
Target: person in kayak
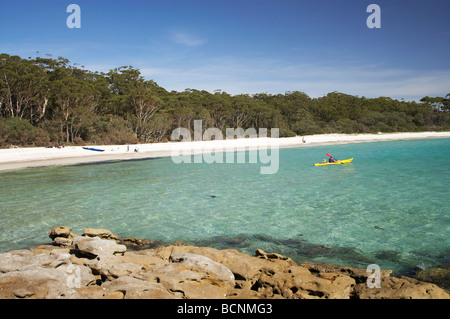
(331,159)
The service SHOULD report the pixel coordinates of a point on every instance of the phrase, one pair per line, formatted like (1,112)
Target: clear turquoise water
(305,212)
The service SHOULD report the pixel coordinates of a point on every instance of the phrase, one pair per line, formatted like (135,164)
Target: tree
(134,98)
(144,104)
(112,129)
(159,127)
(24,89)
(446,103)
(16,131)
(439,103)
(46,100)
(75,102)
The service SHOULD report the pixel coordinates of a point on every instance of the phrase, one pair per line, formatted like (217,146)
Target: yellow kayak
(338,162)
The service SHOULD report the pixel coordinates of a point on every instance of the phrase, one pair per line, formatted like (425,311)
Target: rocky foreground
(98,265)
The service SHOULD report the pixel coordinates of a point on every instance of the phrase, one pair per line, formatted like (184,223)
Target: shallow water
(390,206)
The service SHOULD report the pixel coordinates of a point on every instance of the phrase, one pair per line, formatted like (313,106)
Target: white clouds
(414,85)
(237,76)
(186,38)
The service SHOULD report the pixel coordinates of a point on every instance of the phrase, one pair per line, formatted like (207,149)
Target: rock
(245,268)
(262,254)
(95,268)
(23,293)
(93,292)
(63,242)
(45,249)
(99,232)
(189,283)
(101,264)
(24,252)
(193,276)
(391,287)
(359,275)
(11,261)
(129,241)
(41,276)
(132,288)
(439,275)
(94,246)
(110,267)
(124,269)
(105,263)
(62,236)
(61,231)
(145,258)
(298,283)
(204,264)
(46,275)
(401,288)
(35,282)
(254,273)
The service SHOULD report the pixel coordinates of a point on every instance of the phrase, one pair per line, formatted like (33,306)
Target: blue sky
(247,46)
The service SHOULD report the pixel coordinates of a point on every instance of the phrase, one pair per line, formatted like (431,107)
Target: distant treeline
(46,101)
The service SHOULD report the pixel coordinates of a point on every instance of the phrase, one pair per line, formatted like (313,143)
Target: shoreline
(18,158)
(100,265)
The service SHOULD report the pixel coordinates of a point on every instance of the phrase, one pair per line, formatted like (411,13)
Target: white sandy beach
(15,158)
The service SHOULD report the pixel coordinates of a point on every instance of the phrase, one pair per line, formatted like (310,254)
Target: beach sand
(16,158)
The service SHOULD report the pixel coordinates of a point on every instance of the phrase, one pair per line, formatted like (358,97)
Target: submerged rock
(439,275)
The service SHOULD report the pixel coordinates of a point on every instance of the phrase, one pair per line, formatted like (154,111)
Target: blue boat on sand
(93,149)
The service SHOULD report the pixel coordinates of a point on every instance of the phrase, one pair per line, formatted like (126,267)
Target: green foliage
(49,101)
(111,129)
(16,131)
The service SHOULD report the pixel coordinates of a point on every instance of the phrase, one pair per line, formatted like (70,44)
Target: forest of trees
(46,101)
